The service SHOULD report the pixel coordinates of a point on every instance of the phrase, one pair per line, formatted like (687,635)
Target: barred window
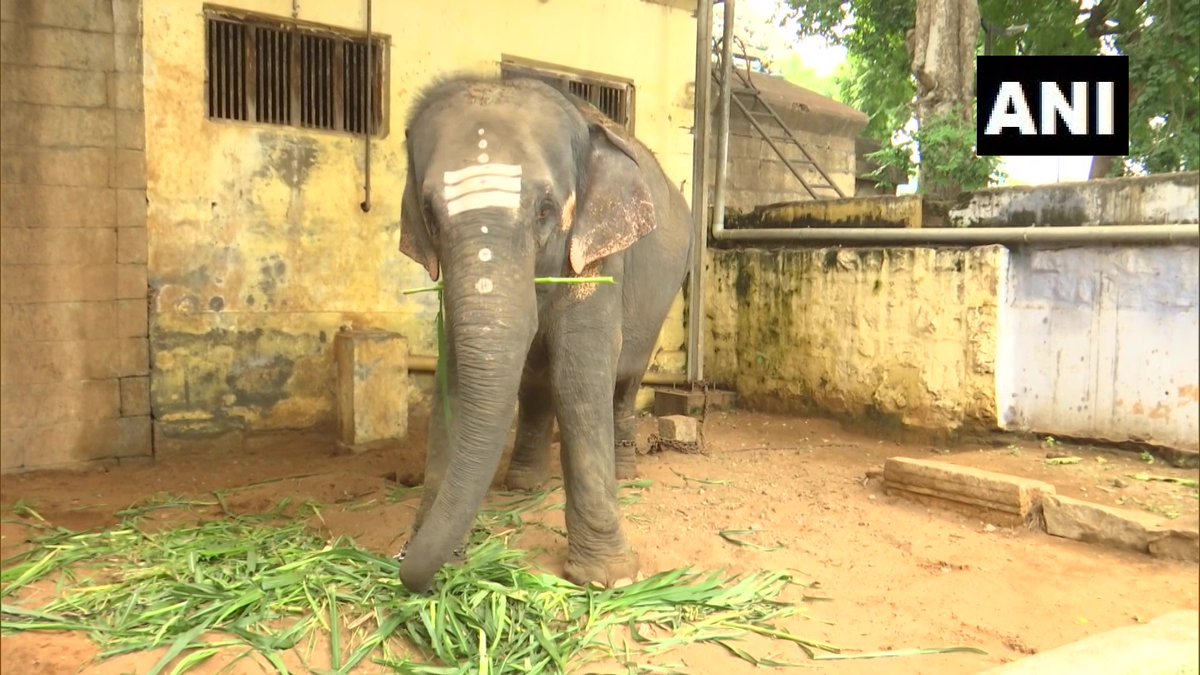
(272,70)
(611,95)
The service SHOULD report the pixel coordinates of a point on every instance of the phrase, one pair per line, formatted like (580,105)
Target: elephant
(509,180)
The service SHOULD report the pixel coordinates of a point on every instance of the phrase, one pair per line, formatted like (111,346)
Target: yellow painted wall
(259,251)
(906,336)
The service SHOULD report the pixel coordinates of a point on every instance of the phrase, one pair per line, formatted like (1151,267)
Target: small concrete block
(1168,645)
(1099,524)
(679,428)
(998,498)
(372,387)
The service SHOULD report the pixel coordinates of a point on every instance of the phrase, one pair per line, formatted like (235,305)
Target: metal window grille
(277,71)
(613,97)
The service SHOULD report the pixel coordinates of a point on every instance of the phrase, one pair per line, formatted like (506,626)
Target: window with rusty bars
(275,71)
(612,97)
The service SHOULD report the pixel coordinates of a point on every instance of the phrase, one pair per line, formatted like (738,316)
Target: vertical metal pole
(370,117)
(700,127)
(723,119)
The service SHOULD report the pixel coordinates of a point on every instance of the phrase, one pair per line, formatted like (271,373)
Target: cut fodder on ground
(267,584)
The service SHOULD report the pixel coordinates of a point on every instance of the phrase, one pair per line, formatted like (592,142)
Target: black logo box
(1030,72)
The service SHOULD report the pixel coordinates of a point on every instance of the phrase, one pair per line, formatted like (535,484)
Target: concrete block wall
(74,356)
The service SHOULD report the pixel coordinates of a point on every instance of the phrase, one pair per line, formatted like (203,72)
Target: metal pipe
(419,363)
(700,126)
(370,117)
(975,236)
(723,118)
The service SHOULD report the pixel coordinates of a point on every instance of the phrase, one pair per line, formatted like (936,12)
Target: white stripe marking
(455,177)
(482,184)
(483,200)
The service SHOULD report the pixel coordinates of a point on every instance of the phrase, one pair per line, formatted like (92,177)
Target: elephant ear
(615,208)
(414,231)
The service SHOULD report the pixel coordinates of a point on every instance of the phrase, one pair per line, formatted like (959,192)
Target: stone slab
(679,428)
(994,497)
(1121,528)
(1168,645)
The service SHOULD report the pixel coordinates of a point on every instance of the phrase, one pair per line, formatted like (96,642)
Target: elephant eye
(547,210)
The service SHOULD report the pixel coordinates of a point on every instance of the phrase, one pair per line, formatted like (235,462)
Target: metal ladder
(771,126)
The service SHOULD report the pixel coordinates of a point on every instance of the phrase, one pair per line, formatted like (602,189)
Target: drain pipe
(723,119)
(700,127)
(370,117)
(973,236)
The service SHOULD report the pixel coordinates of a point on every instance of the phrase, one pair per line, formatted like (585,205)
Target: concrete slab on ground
(1168,645)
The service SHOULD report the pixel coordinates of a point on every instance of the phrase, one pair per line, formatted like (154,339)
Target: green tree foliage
(1161,38)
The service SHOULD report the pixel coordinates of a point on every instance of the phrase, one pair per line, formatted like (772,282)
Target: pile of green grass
(267,583)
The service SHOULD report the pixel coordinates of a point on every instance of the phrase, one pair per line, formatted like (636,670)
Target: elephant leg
(625,427)
(582,386)
(530,464)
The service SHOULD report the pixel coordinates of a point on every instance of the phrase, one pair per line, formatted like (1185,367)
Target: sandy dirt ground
(897,575)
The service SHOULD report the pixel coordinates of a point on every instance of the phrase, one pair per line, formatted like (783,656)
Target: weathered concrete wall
(1103,343)
(826,129)
(259,251)
(73,347)
(906,335)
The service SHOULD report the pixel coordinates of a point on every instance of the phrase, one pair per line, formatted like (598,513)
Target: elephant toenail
(622,583)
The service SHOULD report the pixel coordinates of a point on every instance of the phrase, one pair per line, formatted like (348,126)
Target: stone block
(45,361)
(133,318)
(131,129)
(690,402)
(57,206)
(131,283)
(54,126)
(134,356)
(53,86)
(131,245)
(58,403)
(131,208)
(57,245)
(127,57)
(994,497)
(135,396)
(86,15)
(73,443)
(82,167)
(55,47)
(1119,528)
(125,91)
(1168,645)
(127,17)
(679,428)
(372,387)
(1177,540)
(55,321)
(129,169)
(57,283)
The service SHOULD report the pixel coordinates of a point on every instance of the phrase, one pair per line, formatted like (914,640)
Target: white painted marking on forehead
(483,229)
(454,177)
(484,285)
(482,143)
(480,131)
(483,186)
(485,254)
(483,158)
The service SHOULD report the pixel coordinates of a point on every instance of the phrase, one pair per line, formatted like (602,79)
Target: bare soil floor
(898,575)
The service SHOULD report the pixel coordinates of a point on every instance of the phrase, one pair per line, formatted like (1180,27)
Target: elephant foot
(609,572)
(525,480)
(627,470)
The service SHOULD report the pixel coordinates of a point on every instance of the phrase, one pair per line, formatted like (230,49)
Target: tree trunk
(942,48)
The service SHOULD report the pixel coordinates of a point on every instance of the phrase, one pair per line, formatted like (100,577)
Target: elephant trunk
(490,323)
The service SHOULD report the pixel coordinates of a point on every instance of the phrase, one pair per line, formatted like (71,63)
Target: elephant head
(507,180)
